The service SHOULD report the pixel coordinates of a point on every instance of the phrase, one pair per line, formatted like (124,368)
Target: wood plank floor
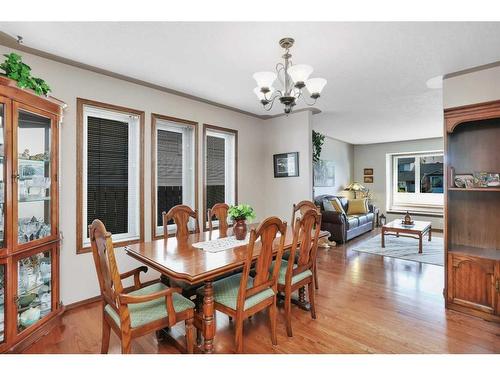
(365,304)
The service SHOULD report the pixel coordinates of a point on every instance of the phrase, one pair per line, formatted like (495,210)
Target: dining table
(177,259)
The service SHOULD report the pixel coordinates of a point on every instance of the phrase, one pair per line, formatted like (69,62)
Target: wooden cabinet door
(471,282)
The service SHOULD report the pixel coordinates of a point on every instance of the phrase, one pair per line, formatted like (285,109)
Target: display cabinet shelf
(29,218)
(486,189)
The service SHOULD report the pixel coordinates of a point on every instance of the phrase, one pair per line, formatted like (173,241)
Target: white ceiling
(376,72)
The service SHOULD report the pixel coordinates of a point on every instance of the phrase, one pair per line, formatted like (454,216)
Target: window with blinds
(175,168)
(110,172)
(220,167)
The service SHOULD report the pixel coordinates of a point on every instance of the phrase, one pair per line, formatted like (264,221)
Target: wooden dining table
(178,259)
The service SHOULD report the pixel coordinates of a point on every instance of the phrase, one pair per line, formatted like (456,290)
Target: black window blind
(216,171)
(107,173)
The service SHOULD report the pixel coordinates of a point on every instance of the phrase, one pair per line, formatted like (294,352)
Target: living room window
(415,182)
(109,171)
(220,145)
(174,175)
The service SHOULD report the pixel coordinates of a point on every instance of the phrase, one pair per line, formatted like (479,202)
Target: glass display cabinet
(29,233)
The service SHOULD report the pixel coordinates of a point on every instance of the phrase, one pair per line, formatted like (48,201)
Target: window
(415,182)
(110,171)
(174,155)
(220,147)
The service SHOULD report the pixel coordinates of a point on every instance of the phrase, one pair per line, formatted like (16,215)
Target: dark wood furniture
(302,207)
(418,230)
(296,275)
(135,311)
(177,259)
(29,215)
(472,220)
(219,211)
(181,215)
(258,292)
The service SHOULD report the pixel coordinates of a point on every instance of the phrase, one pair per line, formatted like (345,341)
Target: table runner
(226,243)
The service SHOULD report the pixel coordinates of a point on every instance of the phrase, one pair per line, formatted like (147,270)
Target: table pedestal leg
(208,318)
(430,233)
(420,244)
(383,237)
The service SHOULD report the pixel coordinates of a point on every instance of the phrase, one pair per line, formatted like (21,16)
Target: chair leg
(190,336)
(316,275)
(106,332)
(272,321)
(126,343)
(312,301)
(238,336)
(288,313)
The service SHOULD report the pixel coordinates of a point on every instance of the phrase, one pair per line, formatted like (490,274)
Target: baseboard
(83,302)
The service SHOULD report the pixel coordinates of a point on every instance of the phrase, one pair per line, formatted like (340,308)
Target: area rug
(405,248)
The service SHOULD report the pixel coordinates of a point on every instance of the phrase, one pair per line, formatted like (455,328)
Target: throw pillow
(327,205)
(357,206)
(337,205)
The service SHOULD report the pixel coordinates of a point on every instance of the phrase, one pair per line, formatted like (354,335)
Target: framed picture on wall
(368,180)
(286,165)
(368,171)
(324,173)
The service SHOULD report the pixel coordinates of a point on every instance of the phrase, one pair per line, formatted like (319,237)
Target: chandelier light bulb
(265,79)
(315,86)
(300,73)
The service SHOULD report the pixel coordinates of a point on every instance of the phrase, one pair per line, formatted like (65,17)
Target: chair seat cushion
(226,292)
(282,274)
(147,312)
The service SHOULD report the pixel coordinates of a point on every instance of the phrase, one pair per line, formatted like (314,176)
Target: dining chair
(302,207)
(137,310)
(296,275)
(181,215)
(219,210)
(240,296)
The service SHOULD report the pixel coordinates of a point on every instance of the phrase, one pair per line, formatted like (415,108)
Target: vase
(240,229)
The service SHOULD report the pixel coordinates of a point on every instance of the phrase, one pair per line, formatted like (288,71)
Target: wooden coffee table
(418,230)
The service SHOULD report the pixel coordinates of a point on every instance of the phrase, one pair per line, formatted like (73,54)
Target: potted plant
(240,214)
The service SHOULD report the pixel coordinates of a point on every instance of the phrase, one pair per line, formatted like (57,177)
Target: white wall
(374,156)
(471,88)
(78,277)
(287,134)
(342,154)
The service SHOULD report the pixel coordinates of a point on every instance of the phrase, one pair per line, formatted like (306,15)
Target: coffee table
(418,230)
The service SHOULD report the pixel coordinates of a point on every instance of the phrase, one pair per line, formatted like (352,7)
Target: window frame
(217,129)
(81,158)
(430,206)
(154,118)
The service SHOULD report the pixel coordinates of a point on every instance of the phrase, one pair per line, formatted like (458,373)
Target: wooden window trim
(204,187)
(80,103)
(154,118)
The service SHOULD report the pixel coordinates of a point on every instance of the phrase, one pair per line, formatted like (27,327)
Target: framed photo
(464,181)
(368,171)
(486,179)
(368,179)
(324,173)
(286,165)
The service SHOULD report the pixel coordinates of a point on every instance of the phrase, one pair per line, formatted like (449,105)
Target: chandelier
(294,80)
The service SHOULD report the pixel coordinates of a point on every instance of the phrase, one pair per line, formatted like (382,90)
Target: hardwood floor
(366,304)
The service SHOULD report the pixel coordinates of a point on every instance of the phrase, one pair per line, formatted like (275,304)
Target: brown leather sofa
(341,226)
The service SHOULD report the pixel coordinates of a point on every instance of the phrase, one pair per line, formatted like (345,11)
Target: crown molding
(472,70)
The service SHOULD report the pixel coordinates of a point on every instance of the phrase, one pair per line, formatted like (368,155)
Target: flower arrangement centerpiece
(240,214)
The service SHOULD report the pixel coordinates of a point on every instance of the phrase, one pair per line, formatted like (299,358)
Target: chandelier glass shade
(292,79)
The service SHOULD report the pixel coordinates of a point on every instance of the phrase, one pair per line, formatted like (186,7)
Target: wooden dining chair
(296,275)
(219,211)
(138,310)
(302,207)
(241,296)
(180,214)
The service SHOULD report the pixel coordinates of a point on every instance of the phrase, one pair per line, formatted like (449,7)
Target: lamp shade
(315,85)
(265,79)
(300,72)
(355,186)
(263,96)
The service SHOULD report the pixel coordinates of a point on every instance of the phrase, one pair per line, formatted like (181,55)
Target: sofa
(343,227)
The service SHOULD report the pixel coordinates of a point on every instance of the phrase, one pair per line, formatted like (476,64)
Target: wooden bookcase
(29,215)
(472,216)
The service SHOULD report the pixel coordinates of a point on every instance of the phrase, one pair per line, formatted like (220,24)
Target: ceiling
(376,72)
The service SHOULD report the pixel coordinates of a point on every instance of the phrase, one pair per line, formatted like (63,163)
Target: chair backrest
(105,263)
(219,210)
(267,232)
(302,207)
(180,214)
(305,242)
